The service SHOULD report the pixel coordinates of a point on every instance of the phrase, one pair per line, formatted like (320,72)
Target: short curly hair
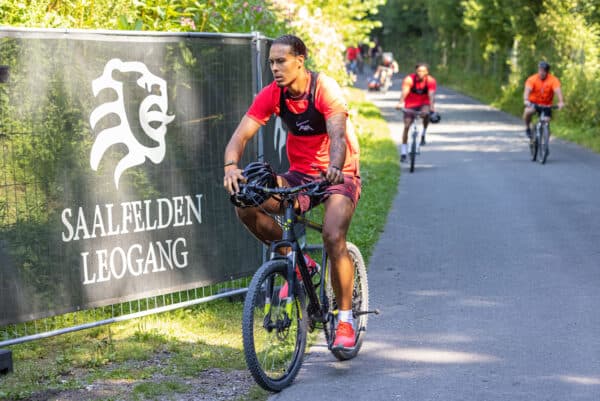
(296,44)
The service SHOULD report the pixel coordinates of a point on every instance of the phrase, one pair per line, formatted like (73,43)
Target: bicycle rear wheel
(360,302)
(273,329)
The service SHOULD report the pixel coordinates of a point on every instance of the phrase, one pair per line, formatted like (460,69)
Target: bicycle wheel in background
(544,144)
(273,329)
(413,153)
(533,144)
(360,302)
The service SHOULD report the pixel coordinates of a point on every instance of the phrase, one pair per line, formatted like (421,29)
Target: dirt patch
(211,385)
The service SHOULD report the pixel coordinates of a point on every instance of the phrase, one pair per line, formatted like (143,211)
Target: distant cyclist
(418,94)
(540,89)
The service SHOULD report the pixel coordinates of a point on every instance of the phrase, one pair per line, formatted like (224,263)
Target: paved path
(487,273)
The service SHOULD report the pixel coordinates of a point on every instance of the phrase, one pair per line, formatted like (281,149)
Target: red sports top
(415,99)
(304,151)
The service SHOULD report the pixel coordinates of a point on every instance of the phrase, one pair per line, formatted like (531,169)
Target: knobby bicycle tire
(269,274)
(360,302)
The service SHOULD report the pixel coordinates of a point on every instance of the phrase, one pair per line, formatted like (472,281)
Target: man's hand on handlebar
(232,178)
(334,175)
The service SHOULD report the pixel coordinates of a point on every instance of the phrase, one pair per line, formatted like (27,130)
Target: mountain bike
(275,325)
(539,143)
(416,129)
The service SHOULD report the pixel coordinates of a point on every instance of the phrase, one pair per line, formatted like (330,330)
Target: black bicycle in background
(275,324)
(539,143)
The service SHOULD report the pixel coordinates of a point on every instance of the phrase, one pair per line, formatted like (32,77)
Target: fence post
(257,86)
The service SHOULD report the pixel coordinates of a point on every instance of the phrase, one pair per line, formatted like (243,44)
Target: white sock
(346,316)
(404,148)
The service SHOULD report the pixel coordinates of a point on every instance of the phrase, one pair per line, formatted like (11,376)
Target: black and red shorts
(350,188)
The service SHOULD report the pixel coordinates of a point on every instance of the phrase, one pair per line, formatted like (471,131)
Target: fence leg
(6,364)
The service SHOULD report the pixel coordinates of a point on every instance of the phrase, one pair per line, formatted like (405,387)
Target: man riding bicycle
(320,138)
(540,89)
(418,94)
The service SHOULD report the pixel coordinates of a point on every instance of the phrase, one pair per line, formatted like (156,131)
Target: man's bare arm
(431,100)
(526,94)
(405,92)
(245,130)
(561,101)
(336,128)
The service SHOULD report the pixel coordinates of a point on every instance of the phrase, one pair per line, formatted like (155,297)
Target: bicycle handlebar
(312,188)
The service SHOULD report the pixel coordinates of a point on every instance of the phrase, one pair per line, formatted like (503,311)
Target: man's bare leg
(338,214)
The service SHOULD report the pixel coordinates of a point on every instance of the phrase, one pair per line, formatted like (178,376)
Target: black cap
(544,65)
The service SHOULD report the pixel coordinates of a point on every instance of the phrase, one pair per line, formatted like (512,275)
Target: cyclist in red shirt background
(418,94)
(320,138)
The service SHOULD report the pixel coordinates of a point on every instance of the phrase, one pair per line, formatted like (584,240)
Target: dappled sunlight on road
(467,107)
(431,355)
(437,338)
(584,380)
(433,293)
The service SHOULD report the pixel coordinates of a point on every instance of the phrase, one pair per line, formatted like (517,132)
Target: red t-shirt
(414,99)
(304,151)
(352,53)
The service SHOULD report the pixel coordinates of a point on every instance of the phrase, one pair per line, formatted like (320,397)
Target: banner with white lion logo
(111,166)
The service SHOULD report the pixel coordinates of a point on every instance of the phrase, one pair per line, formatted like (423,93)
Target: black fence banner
(111,165)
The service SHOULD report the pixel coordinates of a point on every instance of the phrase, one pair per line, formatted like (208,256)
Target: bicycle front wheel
(413,154)
(274,328)
(544,145)
(360,302)
(533,144)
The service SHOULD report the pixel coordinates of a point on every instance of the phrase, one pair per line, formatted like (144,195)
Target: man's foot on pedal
(402,158)
(313,268)
(344,336)
(423,143)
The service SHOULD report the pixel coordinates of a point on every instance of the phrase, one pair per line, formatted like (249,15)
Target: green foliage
(489,47)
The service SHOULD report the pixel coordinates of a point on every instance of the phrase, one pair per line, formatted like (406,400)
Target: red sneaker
(313,268)
(344,336)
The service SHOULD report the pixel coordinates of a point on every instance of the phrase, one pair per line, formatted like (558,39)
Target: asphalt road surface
(487,273)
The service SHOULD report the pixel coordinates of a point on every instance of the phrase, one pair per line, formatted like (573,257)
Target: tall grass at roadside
(148,353)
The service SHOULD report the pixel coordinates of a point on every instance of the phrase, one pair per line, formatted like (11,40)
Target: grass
(153,355)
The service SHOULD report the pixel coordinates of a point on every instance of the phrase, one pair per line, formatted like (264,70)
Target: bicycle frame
(316,308)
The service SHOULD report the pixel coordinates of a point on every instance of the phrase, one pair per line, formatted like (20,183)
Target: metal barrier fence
(60,274)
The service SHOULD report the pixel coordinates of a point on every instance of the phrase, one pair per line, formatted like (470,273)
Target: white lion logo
(152,110)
